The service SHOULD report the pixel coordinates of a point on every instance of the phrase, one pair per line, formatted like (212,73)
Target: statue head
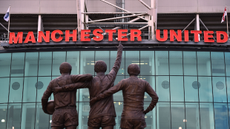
(100,66)
(65,67)
(133,69)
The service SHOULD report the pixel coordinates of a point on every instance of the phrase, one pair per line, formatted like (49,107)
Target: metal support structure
(40,25)
(198,24)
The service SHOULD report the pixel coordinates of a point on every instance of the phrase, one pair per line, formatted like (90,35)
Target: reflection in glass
(227,63)
(29,93)
(206,116)
(203,61)
(163,116)
(205,90)
(42,120)
(219,89)
(5,59)
(175,62)
(28,116)
(14,116)
(221,115)
(162,88)
(228,87)
(147,63)
(45,61)
(218,68)
(191,90)
(161,61)
(45,81)
(176,88)
(3,113)
(17,66)
(189,59)
(58,58)
(192,116)
(16,86)
(73,59)
(5,90)
(31,64)
(87,62)
(178,116)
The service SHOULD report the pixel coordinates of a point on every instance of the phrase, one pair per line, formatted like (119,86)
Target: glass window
(45,61)
(30,85)
(162,64)
(131,57)
(205,90)
(42,84)
(16,86)
(218,66)
(191,86)
(163,116)
(178,116)
(175,62)
(150,117)
(228,87)
(87,62)
(227,63)
(203,61)
(189,59)
(3,112)
(5,59)
(31,64)
(58,58)
(219,89)
(162,88)
(206,116)
(17,66)
(176,88)
(147,63)
(4,90)
(104,56)
(28,116)
(192,116)
(113,55)
(14,116)
(83,114)
(42,119)
(73,59)
(221,116)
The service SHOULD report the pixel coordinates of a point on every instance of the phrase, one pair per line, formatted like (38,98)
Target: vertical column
(80,16)
(40,24)
(153,18)
(198,24)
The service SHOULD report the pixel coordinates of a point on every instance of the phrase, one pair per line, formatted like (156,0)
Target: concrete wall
(70,6)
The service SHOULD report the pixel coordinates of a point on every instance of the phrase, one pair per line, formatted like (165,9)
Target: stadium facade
(191,76)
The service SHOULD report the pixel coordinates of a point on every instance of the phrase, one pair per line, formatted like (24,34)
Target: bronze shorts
(132,123)
(65,117)
(101,121)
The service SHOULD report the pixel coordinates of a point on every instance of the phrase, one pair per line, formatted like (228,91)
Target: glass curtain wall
(193,86)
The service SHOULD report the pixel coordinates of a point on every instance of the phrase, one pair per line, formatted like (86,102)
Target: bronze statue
(65,114)
(133,88)
(102,114)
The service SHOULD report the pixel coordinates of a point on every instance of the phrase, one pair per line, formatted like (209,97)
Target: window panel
(58,58)
(206,116)
(175,62)
(4,90)
(30,85)
(162,88)
(163,116)
(73,59)
(45,61)
(219,89)
(28,116)
(192,116)
(218,68)
(104,56)
(161,61)
(205,90)
(228,87)
(87,62)
(178,116)
(113,55)
(31,64)
(221,116)
(14,116)
(203,61)
(43,83)
(3,113)
(131,57)
(227,63)
(189,59)
(176,88)
(17,66)
(5,62)
(42,119)
(147,63)
(16,86)
(191,86)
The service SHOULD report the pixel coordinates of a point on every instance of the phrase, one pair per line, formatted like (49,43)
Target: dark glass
(3,113)
(5,62)
(73,58)
(58,58)
(178,116)
(218,64)
(189,59)
(45,61)
(163,116)
(175,63)
(17,65)
(31,64)
(162,64)
(221,116)
(14,116)
(147,63)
